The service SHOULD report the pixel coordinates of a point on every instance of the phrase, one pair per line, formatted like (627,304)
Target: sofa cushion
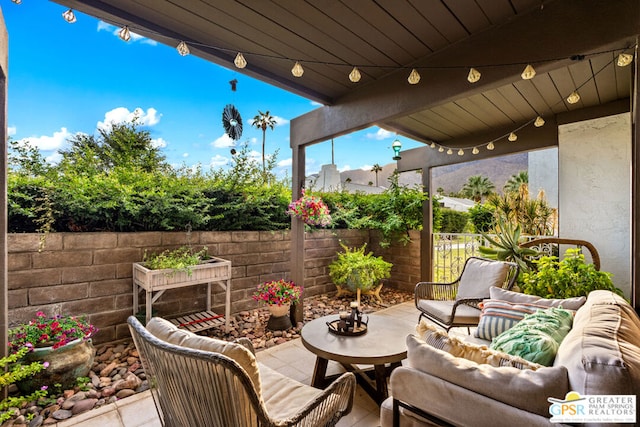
(442,310)
(537,337)
(497,316)
(167,331)
(520,298)
(525,389)
(477,353)
(602,351)
(479,275)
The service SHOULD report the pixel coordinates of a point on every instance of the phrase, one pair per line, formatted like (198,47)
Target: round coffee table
(383,346)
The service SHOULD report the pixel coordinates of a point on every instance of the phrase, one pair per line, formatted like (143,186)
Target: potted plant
(311,209)
(62,342)
(358,272)
(566,278)
(278,295)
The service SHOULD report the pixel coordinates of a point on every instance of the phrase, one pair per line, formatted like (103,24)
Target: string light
(441,149)
(449,151)
(624,59)
(573,98)
(355,75)
(239,61)
(414,77)
(297,70)
(124,34)
(475,150)
(490,146)
(539,122)
(528,73)
(461,152)
(474,75)
(69,16)
(183,49)
(433,145)
(512,137)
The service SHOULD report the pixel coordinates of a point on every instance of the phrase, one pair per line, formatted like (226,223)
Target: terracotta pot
(66,364)
(279,310)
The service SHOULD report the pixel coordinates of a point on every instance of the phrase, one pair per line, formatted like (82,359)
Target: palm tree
(375,169)
(263,121)
(477,187)
(514,183)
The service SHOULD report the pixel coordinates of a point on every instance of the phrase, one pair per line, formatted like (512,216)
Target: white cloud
(256,156)
(158,143)
(285,163)
(48,143)
(11,130)
(103,26)
(280,121)
(366,167)
(344,168)
(217,161)
(122,115)
(380,135)
(54,159)
(223,141)
(185,155)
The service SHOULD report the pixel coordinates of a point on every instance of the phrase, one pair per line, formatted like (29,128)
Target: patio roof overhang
(571,43)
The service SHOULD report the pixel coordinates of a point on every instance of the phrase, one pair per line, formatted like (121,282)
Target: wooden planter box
(214,270)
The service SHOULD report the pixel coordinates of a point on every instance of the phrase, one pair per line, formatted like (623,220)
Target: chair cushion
(479,275)
(537,337)
(167,331)
(497,316)
(520,298)
(525,389)
(476,353)
(441,310)
(283,396)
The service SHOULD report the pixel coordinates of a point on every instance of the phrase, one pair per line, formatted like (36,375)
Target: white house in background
(455,203)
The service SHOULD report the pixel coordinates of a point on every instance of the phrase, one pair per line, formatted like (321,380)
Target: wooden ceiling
(572,44)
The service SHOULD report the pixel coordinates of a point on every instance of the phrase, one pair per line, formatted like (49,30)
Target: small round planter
(66,364)
(279,319)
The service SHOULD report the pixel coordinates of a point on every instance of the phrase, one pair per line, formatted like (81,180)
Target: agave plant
(505,246)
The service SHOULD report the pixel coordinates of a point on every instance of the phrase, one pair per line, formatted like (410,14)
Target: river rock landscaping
(117,372)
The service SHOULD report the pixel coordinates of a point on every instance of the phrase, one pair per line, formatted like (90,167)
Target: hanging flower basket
(310,209)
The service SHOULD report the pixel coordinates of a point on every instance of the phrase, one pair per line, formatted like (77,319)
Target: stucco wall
(90,273)
(543,174)
(595,190)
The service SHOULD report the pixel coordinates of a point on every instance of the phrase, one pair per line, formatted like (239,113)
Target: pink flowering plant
(44,331)
(311,209)
(278,292)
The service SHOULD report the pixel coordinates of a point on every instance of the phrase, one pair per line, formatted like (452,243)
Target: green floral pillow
(536,338)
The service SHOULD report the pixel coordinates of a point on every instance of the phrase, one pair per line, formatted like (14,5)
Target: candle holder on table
(349,323)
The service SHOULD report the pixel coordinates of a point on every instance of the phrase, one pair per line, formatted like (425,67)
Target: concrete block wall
(91,273)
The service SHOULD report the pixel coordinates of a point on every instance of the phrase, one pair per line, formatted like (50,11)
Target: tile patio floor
(290,359)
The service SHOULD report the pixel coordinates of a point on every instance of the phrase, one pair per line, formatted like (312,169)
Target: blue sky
(69,78)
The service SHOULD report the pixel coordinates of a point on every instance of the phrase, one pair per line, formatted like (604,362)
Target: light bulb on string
(440,150)
(512,137)
(183,49)
(414,77)
(539,122)
(449,151)
(461,152)
(355,75)
(528,73)
(69,16)
(474,75)
(490,146)
(433,145)
(239,61)
(574,97)
(297,70)
(475,150)
(624,59)
(124,34)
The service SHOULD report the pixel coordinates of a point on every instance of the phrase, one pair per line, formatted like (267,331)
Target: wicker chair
(456,304)
(193,387)
(551,246)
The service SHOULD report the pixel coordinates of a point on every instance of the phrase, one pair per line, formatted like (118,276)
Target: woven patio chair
(195,387)
(455,304)
(551,246)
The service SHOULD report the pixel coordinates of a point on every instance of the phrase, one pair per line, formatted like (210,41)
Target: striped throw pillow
(498,316)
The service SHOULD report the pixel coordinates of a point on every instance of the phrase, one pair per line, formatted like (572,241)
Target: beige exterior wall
(91,273)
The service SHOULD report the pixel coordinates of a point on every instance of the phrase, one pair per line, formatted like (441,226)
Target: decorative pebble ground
(118,374)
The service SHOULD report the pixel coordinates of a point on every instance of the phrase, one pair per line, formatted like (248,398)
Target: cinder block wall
(90,273)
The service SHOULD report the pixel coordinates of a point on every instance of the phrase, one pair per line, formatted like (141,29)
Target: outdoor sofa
(600,355)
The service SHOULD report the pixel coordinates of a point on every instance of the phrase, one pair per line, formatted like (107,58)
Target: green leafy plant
(566,278)
(278,292)
(13,371)
(44,331)
(356,269)
(181,259)
(505,246)
(83,383)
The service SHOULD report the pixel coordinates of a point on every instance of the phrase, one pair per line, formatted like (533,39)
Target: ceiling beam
(552,34)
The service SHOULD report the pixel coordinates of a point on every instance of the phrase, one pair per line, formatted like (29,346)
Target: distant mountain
(449,178)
